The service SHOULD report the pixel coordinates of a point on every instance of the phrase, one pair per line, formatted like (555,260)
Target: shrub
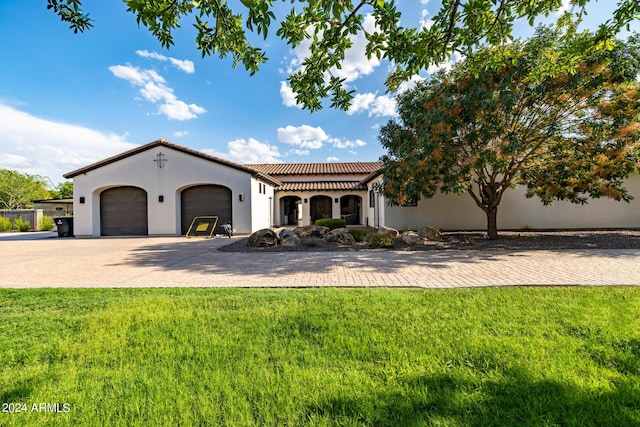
(357,234)
(5,224)
(332,223)
(379,240)
(21,225)
(46,224)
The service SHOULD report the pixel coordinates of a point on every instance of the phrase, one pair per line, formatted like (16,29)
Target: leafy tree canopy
(567,136)
(460,26)
(17,191)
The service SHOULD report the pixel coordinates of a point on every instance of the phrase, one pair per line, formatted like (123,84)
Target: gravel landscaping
(475,240)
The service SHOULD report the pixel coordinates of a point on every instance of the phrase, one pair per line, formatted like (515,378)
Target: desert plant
(379,240)
(21,225)
(358,234)
(46,224)
(5,224)
(332,223)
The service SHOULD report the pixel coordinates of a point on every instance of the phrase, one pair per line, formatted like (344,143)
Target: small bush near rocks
(357,234)
(21,225)
(379,240)
(46,224)
(332,223)
(5,224)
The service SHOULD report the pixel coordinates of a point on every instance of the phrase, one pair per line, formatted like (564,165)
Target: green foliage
(322,357)
(5,224)
(358,234)
(332,223)
(21,225)
(379,240)
(566,137)
(46,224)
(64,191)
(460,26)
(18,190)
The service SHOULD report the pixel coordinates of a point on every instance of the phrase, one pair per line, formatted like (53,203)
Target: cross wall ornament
(160,160)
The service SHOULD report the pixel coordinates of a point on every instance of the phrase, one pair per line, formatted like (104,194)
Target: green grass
(322,357)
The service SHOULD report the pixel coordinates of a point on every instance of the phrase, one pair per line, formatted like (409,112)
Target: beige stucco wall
(459,212)
(180,171)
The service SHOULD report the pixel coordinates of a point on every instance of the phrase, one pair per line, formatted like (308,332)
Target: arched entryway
(291,208)
(123,212)
(320,208)
(205,200)
(351,209)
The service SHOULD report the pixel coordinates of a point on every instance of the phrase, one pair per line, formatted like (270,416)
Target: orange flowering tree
(565,136)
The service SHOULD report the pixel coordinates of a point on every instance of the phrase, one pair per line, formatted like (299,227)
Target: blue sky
(67,100)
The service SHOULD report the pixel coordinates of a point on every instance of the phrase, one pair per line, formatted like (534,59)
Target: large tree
(569,136)
(17,190)
(461,26)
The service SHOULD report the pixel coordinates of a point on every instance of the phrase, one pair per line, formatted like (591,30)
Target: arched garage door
(205,200)
(123,212)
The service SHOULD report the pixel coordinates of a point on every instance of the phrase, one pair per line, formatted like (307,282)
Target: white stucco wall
(180,171)
(459,212)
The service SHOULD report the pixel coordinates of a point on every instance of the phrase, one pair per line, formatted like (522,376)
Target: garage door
(123,212)
(205,200)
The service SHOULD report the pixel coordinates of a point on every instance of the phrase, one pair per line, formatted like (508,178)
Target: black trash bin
(64,225)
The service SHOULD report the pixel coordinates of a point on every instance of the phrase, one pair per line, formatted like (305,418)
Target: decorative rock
(264,238)
(341,236)
(389,230)
(311,231)
(412,238)
(289,238)
(430,233)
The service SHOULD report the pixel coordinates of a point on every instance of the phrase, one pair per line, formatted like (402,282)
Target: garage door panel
(205,200)
(123,212)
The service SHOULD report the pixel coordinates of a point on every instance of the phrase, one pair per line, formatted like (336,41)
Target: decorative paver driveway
(175,261)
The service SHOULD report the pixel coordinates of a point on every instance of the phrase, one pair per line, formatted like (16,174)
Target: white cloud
(333,159)
(181,133)
(154,89)
(182,64)
(44,147)
(566,4)
(340,143)
(303,136)
(253,151)
(425,22)
(288,96)
(299,152)
(376,106)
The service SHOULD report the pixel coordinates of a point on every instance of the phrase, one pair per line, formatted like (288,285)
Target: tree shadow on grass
(518,400)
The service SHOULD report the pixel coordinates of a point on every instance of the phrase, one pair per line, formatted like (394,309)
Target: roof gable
(164,143)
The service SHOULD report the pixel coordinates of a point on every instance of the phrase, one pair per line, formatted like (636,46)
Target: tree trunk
(492,222)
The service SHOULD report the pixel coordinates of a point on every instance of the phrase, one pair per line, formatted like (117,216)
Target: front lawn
(321,357)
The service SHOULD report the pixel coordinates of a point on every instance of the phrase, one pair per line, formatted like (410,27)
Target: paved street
(178,261)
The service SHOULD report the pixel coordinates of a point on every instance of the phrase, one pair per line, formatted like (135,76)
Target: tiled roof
(321,186)
(351,168)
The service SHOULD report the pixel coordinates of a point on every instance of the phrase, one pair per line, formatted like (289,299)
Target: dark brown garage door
(205,200)
(123,212)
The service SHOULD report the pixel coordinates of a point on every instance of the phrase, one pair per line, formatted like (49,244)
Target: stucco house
(158,188)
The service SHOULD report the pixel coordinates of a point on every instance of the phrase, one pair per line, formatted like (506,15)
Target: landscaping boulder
(430,233)
(264,238)
(412,238)
(289,238)
(311,231)
(339,235)
(388,230)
